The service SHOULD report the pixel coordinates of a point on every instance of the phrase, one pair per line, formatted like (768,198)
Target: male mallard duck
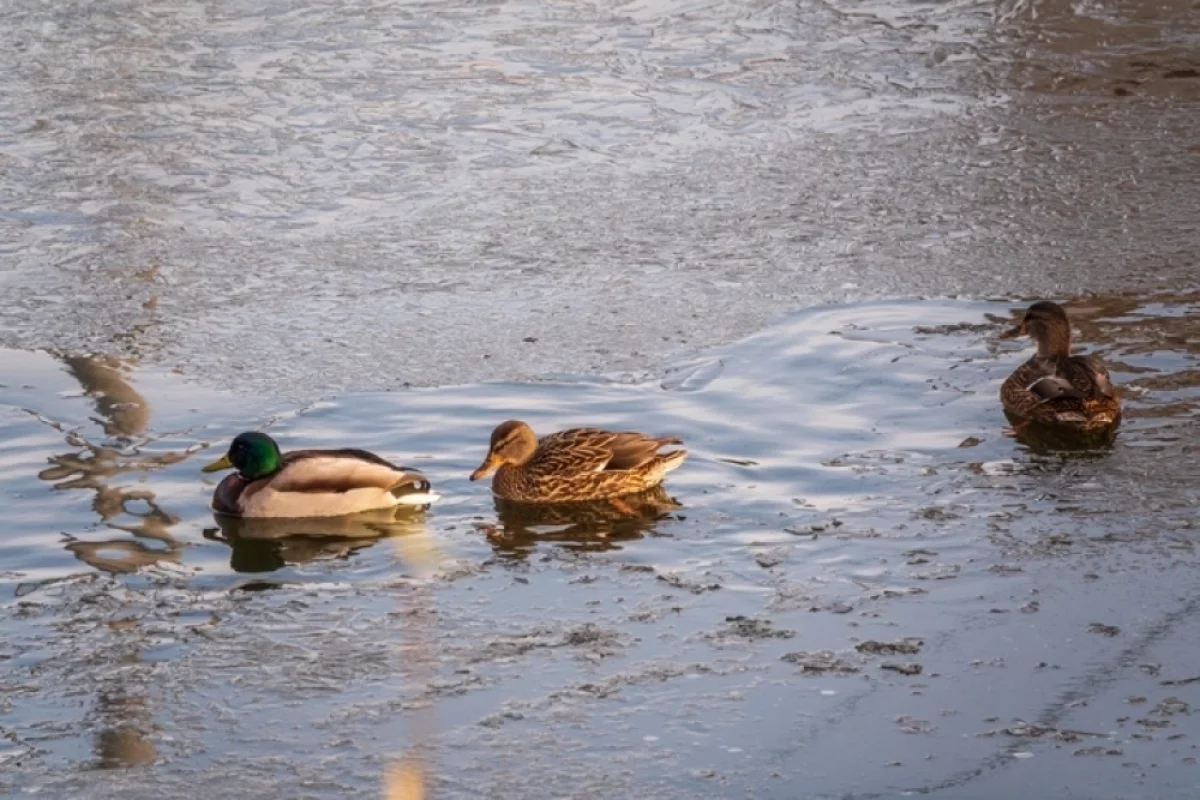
(310,483)
(1054,387)
(574,465)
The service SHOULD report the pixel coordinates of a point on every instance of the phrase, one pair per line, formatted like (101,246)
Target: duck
(575,465)
(1054,387)
(310,483)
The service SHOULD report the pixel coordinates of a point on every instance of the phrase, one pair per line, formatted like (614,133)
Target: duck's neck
(1054,342)
(509,481)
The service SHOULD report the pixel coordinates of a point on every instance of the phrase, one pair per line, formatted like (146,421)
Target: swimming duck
(1054,387)
(574,465)
(310,483)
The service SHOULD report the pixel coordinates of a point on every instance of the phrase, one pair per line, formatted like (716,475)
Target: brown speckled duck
(574,465)
(1054,387)
(310,483)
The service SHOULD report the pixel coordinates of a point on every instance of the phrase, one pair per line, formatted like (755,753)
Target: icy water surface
(856,586)
(213,216)
(375,194)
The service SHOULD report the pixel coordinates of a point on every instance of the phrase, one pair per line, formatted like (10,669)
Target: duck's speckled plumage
(1054,387)
(575,465)
(317,483)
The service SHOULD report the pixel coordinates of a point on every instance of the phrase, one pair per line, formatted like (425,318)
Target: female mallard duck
(574,465)
(1054,387)
(310,483)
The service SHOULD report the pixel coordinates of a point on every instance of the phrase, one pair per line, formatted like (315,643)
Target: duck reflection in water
(590,526)
(1042,438)
(269,544)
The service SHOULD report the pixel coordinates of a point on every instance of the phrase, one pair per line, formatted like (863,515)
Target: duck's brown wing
(596,450)
(1037,389)
(1088,376)
(631,449)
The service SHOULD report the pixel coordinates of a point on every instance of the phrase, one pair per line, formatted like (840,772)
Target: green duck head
(255,455)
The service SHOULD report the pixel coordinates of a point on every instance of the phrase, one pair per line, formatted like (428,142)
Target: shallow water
(849,480)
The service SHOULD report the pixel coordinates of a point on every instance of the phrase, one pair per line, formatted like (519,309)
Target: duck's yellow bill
(221,463)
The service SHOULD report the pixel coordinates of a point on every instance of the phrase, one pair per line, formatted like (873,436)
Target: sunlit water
(849,480)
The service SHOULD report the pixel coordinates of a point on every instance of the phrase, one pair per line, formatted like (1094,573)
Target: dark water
(849,481)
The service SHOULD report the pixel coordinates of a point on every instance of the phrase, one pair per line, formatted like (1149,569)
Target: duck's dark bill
(1013,333)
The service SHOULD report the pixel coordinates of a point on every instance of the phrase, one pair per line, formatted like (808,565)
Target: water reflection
(121,556)
(124,416)
(124,413)
(124,740)
(586,527)
(266,545)
(125,714)
(405,777)
(1042,439)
